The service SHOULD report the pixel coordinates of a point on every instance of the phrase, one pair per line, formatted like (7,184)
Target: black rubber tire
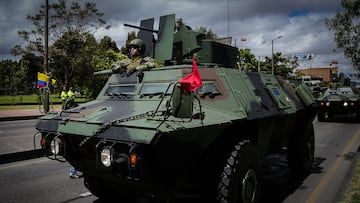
(95,187)
(301,150)
(98,189)
(238,182)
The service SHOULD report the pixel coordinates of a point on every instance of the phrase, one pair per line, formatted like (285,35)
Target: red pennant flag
(193,81)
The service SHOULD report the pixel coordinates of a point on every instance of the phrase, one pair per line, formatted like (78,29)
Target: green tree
(71,57)
(107,43)
(31,64)
(247,60)
(209,34)
(70,28)
(282,65)
(105,55)
(12,78)
(347,29)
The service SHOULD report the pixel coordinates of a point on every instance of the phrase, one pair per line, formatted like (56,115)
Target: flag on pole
(42,80)
(193,81)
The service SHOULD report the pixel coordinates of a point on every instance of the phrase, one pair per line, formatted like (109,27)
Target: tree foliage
(62,19)
(247,60)
(347,29)
(72,44)
(12,78)
(282,65)
(209,34)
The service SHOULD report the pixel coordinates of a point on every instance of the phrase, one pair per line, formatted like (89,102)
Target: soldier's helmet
(138,43)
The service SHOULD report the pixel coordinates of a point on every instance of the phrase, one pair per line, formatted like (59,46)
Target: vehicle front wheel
(95,187)
(102,191)
(239,181)
(301,151)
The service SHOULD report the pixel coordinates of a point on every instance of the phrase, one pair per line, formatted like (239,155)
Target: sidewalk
(22,114)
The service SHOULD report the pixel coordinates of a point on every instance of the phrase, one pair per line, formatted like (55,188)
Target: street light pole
(242,39)
(272,54)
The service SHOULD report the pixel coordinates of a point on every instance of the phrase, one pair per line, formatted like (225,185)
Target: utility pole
(272,54)
(46,54)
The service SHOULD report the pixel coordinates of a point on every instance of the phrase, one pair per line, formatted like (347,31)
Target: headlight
(327,103)
(105,157)
(55,146)
(346,104)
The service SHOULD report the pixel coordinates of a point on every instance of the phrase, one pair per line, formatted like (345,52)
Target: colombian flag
(42,80)
(193,81)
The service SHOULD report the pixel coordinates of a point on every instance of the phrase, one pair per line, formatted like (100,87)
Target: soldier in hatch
(137,61)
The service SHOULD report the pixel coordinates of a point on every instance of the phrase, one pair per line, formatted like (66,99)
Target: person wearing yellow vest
(64,97)
(70,98)
(70,93)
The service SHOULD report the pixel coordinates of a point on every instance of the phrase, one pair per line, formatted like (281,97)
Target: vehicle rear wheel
(301,151)
(238,182)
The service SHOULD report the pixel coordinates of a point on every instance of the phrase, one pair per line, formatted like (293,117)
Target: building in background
(327,74)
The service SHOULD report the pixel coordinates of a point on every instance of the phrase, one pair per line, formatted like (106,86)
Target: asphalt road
(44,180)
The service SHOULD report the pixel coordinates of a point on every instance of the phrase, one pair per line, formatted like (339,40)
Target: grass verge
(352,193)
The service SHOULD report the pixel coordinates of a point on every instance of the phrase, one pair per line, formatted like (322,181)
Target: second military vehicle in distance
(150,133)
(338,101)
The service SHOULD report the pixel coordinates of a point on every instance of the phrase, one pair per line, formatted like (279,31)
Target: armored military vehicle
(338,101)
(149,134)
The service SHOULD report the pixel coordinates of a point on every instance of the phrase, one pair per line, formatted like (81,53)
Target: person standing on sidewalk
(74,173)
(70,98)
(64,97)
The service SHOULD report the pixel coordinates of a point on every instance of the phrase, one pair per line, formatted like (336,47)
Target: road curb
(16,118)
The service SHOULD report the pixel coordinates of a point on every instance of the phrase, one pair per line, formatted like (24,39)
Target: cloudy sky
(301,23)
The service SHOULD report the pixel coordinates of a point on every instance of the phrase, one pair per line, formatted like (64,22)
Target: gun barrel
(141,28)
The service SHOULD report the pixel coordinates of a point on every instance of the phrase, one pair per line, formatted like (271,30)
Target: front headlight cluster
(324,103)
(105,156)
(110,156)
(350,104)
(53,144)
(56,145)
(345,104)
